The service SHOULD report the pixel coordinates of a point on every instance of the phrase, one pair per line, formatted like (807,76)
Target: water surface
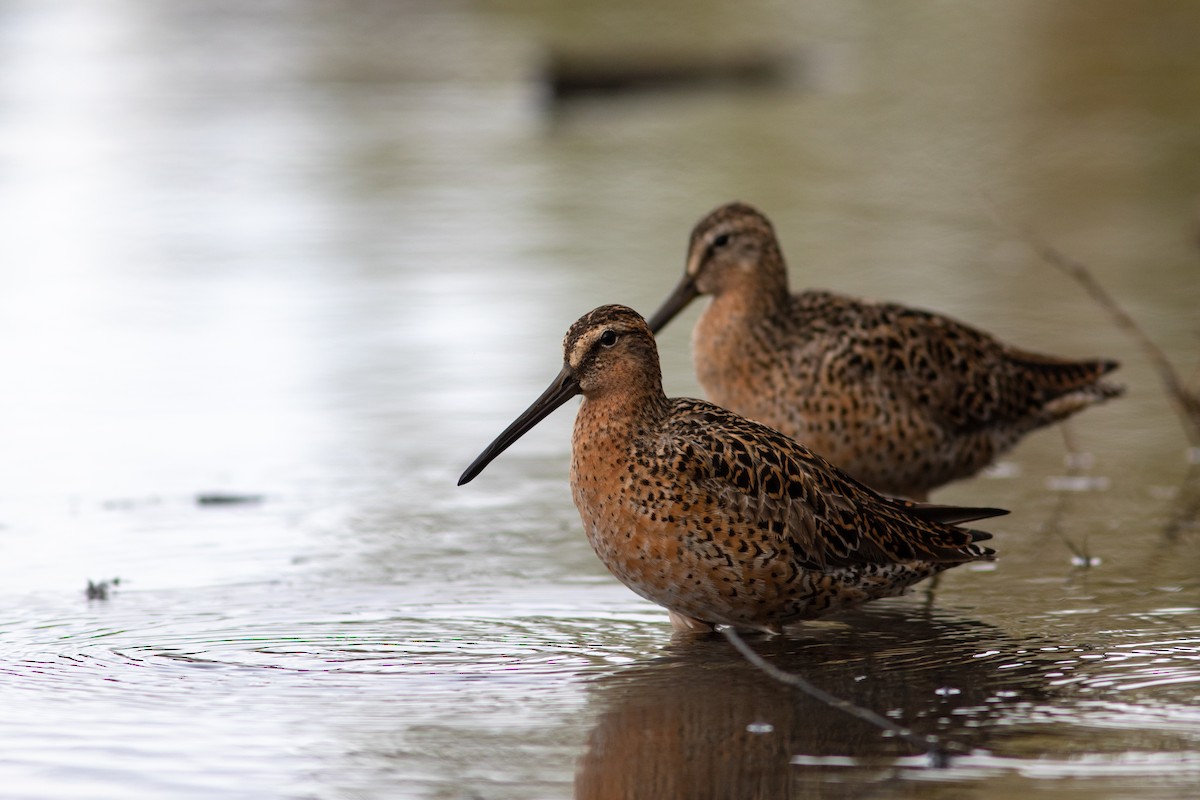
(312,256)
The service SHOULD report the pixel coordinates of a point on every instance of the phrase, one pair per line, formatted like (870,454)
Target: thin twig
(1185,402)
(1187,405)
(1194,383)
(1074,470)
(1186,511)
(929,745)
(1080,553)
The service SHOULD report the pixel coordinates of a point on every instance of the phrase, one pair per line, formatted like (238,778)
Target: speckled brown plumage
(720,519)
(905,400)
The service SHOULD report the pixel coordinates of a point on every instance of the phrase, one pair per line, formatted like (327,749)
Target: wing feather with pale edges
(820,514)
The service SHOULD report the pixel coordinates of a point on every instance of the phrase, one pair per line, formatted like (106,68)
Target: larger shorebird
(717,518)
(902,399)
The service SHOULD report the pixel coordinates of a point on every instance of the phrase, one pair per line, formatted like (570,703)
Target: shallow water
(311,257)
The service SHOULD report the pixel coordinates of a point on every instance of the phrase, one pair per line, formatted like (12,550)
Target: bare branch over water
(1184,399)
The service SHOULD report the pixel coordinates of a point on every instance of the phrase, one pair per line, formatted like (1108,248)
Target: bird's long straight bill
(684,293)
(561,389)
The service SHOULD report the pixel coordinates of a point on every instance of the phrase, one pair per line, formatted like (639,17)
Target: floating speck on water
(99,590)
(1077,483)
(1003,469)
(947,691)
(760,727)
(1085,561)
(619,659)
(1079,460)
(1163,492)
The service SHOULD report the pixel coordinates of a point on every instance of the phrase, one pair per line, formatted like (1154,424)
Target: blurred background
(272,274)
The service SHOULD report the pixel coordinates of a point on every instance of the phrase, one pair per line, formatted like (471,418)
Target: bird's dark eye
(608,338)
(721,240)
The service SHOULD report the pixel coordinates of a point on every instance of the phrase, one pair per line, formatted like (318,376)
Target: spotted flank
(903,399)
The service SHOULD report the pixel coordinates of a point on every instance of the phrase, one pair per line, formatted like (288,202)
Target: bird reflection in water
(702,722)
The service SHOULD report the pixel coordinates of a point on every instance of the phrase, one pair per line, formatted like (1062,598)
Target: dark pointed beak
(561,389)
(684,293)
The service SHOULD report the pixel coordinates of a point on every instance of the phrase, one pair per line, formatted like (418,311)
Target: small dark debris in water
(570,77)
(129,503)
(227,499)
(99,590)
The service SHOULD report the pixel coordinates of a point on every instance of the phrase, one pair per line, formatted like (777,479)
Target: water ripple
(1181,767)
(179,651)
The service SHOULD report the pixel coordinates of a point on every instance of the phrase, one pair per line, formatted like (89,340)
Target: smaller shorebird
(902,399)
(717,518)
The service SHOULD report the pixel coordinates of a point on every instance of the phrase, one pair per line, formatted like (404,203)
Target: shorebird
(902,399)
(722,520)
